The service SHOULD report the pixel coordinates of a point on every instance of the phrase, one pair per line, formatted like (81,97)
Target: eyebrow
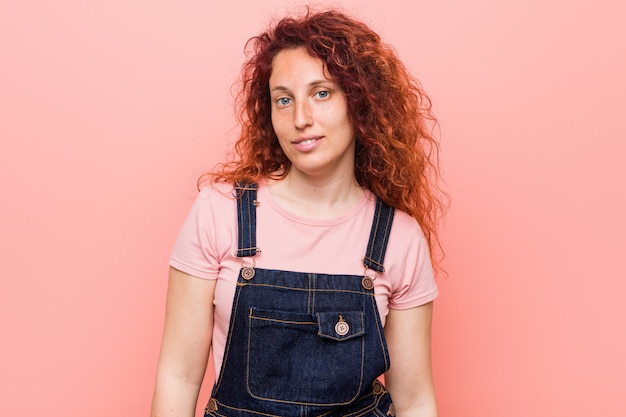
(315,83)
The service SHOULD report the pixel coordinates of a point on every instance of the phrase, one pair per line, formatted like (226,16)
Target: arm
(185,346)
(409,379)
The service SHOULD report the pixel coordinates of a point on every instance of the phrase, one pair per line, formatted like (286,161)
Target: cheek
(341,121)
(338,116)
(273,118)
(276,125)
(280,124)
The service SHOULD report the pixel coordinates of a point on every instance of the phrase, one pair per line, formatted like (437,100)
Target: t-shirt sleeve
(415,283)
(197,249)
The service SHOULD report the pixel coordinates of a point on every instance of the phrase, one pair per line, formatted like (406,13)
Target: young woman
(304,264)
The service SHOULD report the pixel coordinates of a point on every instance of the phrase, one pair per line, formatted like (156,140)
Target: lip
(307,143)
(306,138)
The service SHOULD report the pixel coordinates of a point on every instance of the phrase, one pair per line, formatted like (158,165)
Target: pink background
(109,110)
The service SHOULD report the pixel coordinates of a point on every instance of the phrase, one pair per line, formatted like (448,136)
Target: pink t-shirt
(207,242)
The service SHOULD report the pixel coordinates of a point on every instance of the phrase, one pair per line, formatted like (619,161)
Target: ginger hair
(397,154)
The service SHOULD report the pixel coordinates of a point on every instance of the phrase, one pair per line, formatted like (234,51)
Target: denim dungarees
(303,344)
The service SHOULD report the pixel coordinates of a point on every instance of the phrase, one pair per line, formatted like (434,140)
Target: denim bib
(303,344)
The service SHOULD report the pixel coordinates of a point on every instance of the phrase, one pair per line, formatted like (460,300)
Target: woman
(304,264)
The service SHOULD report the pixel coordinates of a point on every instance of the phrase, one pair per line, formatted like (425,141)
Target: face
(310,116)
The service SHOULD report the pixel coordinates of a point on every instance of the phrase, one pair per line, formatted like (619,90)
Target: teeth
(307,142)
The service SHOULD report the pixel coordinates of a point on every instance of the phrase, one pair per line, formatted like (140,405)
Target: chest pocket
(305,359)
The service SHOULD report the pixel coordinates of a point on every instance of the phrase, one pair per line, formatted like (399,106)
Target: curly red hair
(396,152)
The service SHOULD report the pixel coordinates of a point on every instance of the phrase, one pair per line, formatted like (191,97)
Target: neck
(316,197)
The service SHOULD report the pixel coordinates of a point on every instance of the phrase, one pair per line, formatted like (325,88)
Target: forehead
(297,65)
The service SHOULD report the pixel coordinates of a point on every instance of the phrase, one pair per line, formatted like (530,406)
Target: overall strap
(246,219)
(379,237)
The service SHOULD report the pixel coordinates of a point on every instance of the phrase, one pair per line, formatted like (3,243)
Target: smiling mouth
(306,140)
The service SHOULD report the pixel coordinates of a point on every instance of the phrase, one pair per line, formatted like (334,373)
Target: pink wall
(109,110)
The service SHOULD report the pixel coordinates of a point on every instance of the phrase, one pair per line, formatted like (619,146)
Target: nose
(302,116)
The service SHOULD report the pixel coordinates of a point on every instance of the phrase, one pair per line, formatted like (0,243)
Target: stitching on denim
(240,224)
(313,291)
(387,230)
(251,248)
(283,287)
(373,407)
(310,323)
(245,410)
(248,355)
(356,395)
(302,402)
(381,340)
(362,356)
(251,226)
(370,245)
(312,404)
(379,237)
(377,255)
(365,408)
(245,187)
(309,306)
(372,260)
(246,220)
(230,336)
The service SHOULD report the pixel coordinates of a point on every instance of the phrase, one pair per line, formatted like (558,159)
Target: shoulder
(407,243)
(211,209)
(218,191)
(404,229)
(403,225)
(406,237)
(406,225)
(215,197)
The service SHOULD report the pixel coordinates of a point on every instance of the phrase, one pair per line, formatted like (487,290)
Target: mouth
(306,140)
(307,143)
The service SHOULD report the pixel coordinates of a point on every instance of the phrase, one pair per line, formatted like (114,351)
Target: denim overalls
(303,344)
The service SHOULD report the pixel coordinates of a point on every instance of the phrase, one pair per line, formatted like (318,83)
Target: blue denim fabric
(303,344)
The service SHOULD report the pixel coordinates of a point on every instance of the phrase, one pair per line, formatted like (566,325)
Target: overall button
(247,273)
(212,405)
(367,283)
(342,328)
(377,387)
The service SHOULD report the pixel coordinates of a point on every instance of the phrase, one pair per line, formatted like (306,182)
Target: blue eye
(322,94)
(283,101)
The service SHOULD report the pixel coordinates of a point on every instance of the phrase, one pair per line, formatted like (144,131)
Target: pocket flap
(342,325)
